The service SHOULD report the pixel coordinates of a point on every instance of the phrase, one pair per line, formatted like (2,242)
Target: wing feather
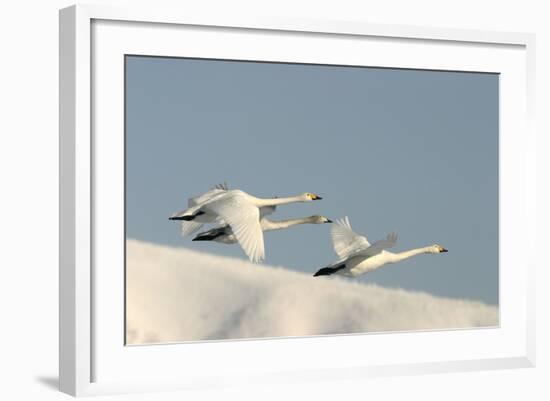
(344,240)
(244,219)
(194,204)
(207,196)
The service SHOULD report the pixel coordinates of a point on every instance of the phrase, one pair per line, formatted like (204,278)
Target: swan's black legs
(186,218)
(327,271)
(207,237)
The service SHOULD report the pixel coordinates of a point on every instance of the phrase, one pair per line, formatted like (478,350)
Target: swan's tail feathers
(327,271)
(187,217)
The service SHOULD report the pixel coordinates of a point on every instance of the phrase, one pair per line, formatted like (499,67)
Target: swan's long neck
(277,201)
(398,257)
(268,225)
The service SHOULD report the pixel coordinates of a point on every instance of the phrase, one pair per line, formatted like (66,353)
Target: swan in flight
(225,235)
(190,226)
(239,210)
(357,256)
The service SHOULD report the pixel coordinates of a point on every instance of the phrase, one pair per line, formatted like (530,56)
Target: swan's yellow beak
(443,250)
(314,197)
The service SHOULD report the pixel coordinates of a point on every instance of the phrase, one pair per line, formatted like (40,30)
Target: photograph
(269,199)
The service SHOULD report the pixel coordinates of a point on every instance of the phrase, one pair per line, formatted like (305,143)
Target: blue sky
(410,151)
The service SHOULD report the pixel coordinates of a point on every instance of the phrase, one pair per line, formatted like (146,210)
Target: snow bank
(177,294)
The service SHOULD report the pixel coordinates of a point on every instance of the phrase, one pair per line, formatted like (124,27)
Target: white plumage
(357,256)
(189,227)
(240,211)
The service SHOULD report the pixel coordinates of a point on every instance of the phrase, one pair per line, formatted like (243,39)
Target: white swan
(241,212)
(358,256)
(225,235)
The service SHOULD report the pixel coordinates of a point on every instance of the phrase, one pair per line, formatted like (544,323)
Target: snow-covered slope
(177,294)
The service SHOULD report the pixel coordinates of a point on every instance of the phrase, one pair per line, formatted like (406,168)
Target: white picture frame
(93,358)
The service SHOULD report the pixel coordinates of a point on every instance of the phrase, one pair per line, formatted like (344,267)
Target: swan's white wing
(193,204)
(189,227)
(207,196)
(379,246)
(244,219)
(344,240)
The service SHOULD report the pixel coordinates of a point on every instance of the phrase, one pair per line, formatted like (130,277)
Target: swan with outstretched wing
(242,212)
(357,256)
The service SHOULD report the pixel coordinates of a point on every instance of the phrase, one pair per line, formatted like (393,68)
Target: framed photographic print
(267,200)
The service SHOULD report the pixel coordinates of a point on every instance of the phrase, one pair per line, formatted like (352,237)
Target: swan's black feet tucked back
(186,218)
(327,271)
(207,237)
